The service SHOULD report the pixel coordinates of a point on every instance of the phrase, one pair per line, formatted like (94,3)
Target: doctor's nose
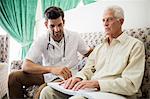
(56,29)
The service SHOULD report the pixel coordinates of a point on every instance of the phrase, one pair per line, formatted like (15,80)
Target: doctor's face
(56,28)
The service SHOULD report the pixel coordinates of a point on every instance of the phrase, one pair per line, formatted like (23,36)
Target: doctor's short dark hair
(53,12)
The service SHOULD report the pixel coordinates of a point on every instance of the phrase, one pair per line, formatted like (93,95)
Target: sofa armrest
(16,64)
(3,79)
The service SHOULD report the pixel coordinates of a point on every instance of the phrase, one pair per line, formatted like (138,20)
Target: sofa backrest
(143,34)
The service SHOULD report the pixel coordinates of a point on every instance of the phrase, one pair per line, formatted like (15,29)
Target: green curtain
(64,4)
(17,17)
(88,1)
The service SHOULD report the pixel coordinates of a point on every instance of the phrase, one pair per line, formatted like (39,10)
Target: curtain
(64,4)
(17,17)
(88,1)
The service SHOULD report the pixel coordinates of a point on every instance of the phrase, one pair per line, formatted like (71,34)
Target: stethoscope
(54,46)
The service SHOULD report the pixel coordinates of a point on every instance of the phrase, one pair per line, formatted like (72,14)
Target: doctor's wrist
(48,69)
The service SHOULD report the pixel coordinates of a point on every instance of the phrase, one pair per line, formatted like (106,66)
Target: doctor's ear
(63,21)
(46,24)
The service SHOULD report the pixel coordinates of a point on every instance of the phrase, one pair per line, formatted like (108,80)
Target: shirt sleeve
(88,70)
(83,48)
(130,80)
(35,52)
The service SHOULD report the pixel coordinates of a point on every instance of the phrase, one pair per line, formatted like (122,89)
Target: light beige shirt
(119,66)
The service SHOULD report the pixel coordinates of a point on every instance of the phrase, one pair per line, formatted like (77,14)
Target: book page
(88,93)
(61,88)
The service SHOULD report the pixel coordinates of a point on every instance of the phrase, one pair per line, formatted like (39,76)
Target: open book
(88,93)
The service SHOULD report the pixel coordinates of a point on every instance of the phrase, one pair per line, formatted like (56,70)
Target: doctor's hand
(61,71)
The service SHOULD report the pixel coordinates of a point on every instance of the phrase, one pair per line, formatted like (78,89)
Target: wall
(88,18)
(148,13)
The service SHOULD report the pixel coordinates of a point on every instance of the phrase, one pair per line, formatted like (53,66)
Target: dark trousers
(18,79)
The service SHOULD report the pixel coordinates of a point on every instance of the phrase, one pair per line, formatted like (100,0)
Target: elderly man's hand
(86,84)
(61,71)
(69,84)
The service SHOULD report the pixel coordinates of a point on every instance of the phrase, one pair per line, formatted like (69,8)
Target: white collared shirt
(53,56)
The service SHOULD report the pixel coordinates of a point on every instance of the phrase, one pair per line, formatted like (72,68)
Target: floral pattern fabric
(4,48)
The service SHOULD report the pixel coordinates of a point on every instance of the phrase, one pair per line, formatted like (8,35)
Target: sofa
(4,52)
(93,39)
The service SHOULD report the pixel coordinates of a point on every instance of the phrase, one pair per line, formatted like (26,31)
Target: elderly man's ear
(121,21)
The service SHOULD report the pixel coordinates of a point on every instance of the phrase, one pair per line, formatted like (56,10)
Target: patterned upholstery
(93,38)
(4,48)
(16,64)
(143,34)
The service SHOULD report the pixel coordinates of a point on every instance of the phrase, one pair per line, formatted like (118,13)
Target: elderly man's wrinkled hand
(86,84)
(69,84)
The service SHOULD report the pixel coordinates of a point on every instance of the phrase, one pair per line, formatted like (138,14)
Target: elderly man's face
(111,24)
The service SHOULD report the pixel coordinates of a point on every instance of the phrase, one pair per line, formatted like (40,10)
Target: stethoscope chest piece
(63,60)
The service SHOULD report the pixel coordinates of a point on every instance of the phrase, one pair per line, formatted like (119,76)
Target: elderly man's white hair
(117,11)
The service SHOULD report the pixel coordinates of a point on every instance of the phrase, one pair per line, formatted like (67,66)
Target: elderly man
(116,65)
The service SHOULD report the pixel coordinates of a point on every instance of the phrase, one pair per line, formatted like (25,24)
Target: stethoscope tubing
(64,49)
